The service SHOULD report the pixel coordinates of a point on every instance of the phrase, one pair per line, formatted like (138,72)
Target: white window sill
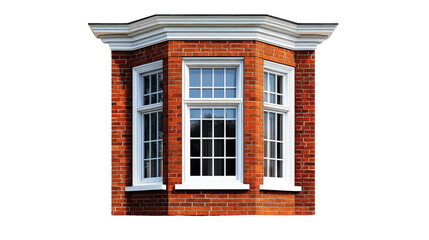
(145,188)
(280,188)
(235,186)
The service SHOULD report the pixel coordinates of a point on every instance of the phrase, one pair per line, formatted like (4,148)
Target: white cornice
(264,28)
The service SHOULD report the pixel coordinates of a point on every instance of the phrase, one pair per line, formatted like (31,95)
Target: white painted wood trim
(145,188)
(280,188)
(212,186)
(264,28)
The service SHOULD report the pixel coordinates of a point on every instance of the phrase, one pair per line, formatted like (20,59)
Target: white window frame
(286,183)
(212,182)
(137,109)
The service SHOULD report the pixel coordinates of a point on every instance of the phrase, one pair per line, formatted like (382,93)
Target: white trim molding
(164,27)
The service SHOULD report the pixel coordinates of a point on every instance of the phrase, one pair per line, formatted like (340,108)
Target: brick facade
(213,202)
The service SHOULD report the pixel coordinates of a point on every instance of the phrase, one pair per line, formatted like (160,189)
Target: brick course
(213,202)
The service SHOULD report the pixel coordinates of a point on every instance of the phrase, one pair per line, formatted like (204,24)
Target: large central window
(212,124)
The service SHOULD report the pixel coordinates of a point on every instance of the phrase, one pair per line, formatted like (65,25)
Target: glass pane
(160,119)
(146,151)
(230,167)
(279,84)
(195,128)
(153,135)
(218,93)
(265,97)
(146,84)
(194,93)
(146,127)
(160,168)
(265,168)
(230,128)
(272,149)
(271,83)
(207,113)
(218,148)
(146,169)
(272,125)
(218,77)
(218,113)
(265,125)
(280,127)
(279,169)
(153,98)
(265,148)
(195,167)
(230,93)
(153,83)
(159,148)
(230,113)
(207,167)
(265,81)
(195,113)
(153,149)
(218,128)
(207,92)
(280,150)
(160,83)
(194,77)
(207,148)
(207,128)
(272,168)
(218,167)
(279,100)
(195,148)
(207,77)
(230,148)
(272,98)
(146,100)
(153,168)
(230,77)
(160,97)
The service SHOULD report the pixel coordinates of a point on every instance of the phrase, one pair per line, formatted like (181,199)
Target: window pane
(153,135)
(265,168)
(153,168)
(207,128)
(272,126)
(265,125)
(207,167)
(218,77)
(279,169)
(272,168)
(160,83)
(207,92)
(230,113)
(207,148)
(230,77)
(194,77)
(207,77)
(218,113)
(265,97)
(280,127)
(279,100)
(194,93)
(218,148)
(146,169)
(153,149)
(195,113)
(195,128)
(160,97)
(153,98)
(218,167)
(280,150)
(160,118)
(153,83)
(160,168)
(195,167)
(279,84)
(230,148)
(230,128)
(146,100)
(272,98)
(230,93)
(146,127)
(230,167)
(265,81)
(146,84)
(146,151)
(195,148)
(218,93)
(271,83)
(159,148)
(265,148)
(207,113)
(272,149)
(218,128)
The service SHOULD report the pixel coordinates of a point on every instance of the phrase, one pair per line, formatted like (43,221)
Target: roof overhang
(265,28)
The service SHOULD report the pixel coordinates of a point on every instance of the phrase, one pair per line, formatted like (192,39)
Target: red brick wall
(210,202)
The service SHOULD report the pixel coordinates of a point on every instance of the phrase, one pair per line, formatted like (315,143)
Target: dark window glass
(280,150)
(218,128)
(146,169)
(153,149)
(272,168)
(230,148)
(153,168)
(218,148)
(279,127)
(195,128)
(195,167)
(265,168)
(207,167)
(195,148)
(279,169)
(272,149)
(279,84)
(153,135)
(207,128)
(160,83)
(146,151)
(230,167)
(146,84)
(230,128)
(219,167)
(153,84)
(160,120)
(146,127)
(207,148)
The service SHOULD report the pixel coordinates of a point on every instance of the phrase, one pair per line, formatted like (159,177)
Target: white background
(372,123)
